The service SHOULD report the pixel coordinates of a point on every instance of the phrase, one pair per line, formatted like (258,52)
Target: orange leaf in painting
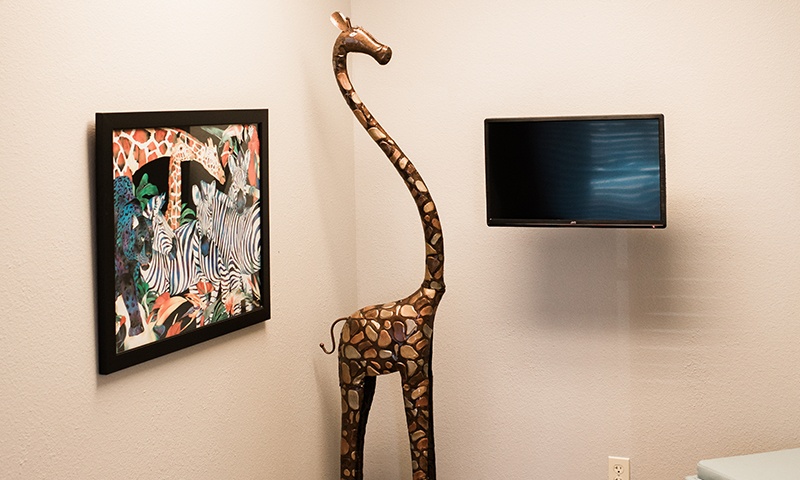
(253,146)
(175,329)
(168,308)
(160,300)
(204,288)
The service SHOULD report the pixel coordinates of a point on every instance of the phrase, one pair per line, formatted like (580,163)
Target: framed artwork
(182,230)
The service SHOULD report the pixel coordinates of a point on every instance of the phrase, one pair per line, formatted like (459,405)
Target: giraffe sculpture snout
(383,55)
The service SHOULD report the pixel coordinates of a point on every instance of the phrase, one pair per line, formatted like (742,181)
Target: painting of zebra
(198,188)
(236,236)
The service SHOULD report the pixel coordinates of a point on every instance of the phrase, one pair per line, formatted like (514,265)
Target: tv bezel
(549,222)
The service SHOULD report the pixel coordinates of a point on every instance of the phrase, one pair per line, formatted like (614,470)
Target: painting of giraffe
(396,336)
(132,149)
(185,261)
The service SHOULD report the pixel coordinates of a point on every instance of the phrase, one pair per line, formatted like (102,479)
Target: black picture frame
(181,201)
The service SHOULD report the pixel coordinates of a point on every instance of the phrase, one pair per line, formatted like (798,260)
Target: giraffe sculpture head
(356,39)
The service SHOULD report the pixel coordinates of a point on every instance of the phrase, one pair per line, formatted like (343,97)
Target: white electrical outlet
(619,468)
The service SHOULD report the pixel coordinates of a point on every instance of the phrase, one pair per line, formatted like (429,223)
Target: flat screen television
(591,171)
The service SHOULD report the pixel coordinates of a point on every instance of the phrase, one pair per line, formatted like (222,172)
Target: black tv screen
(576,171)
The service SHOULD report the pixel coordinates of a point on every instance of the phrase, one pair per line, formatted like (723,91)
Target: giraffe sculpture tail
(333,338)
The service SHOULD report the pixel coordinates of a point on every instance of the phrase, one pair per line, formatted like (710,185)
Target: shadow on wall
(331,166)
(682,278)
(592,278)
(91,141)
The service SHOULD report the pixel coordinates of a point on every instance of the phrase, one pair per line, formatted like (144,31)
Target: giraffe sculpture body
(132,149)
(395,336)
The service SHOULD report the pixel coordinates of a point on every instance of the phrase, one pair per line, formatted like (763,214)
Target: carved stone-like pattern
(395,336)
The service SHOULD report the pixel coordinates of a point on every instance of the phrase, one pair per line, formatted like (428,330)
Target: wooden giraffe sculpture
(395,336)
(132,149)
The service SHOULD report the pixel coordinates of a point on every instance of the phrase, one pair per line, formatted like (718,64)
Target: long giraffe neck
(132,149)
(432,229)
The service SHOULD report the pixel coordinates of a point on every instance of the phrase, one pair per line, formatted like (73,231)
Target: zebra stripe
(156,274)
(238,236)
(183,258)
(177,265)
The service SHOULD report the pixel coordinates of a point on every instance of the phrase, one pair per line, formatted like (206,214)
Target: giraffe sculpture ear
(340,21)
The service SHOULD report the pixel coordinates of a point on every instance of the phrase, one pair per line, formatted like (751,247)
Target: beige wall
(558,348)
(261,403)
(554,348)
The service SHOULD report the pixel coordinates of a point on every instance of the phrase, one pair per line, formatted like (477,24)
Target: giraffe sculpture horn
(394,336)
(340,21)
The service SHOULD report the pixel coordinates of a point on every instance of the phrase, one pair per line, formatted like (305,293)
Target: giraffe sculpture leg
(419,418)
(356,403)
(378,340)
